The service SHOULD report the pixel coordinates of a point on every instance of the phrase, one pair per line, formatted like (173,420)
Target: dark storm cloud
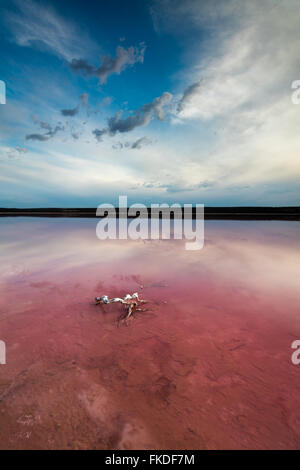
(39,137)
(110,65)
(81,65)
(70,112)
(188,95)
(99,133)
(142,117)
(138,144)
(83,101)
(43,137)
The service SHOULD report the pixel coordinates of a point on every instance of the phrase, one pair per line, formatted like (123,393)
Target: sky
(164,101)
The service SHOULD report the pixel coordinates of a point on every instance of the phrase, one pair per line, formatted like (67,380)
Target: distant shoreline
(212,213)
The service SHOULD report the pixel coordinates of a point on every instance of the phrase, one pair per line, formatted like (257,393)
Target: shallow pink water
(208,365)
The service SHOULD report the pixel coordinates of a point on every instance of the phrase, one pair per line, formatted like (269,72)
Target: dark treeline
(238,213)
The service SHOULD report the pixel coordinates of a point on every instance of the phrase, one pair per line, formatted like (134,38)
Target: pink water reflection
(207,366)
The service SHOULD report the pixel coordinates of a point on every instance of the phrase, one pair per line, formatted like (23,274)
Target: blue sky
(162,101)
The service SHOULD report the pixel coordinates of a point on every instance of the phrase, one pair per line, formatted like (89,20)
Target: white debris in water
(125,300)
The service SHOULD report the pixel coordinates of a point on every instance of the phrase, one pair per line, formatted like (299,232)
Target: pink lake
(207,366)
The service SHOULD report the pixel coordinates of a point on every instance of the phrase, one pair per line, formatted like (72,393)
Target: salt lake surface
(207,366)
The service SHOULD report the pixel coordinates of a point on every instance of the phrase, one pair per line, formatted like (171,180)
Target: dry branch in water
(130,302)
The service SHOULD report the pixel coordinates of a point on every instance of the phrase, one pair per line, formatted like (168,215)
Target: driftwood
(131,303)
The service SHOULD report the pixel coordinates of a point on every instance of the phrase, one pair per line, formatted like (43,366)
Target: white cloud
(254,65)
(238,138)
(247,70)
(35,25)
